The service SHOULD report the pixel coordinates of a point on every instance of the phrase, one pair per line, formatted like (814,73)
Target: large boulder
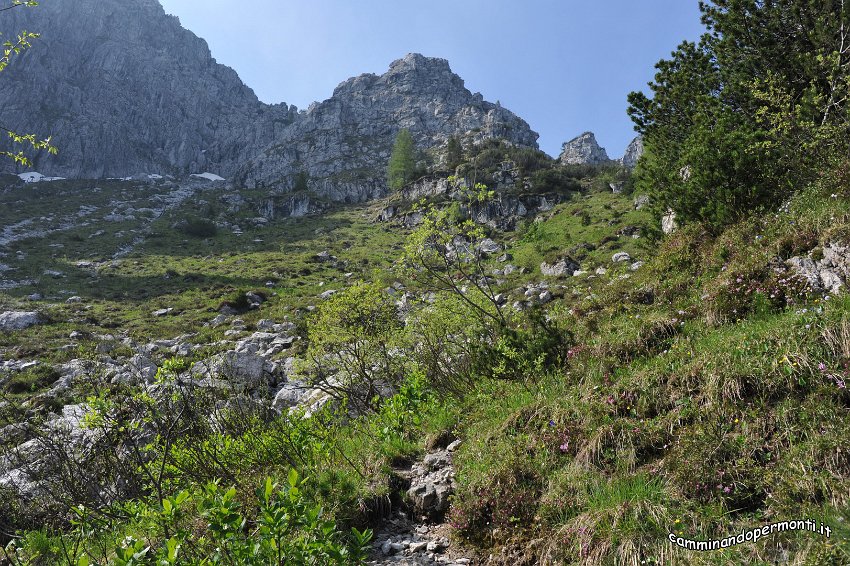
(243,368)
(562,268)
(290,395)
(18,320)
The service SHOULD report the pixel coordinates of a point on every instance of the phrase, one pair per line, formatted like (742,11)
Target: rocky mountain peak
(416,62)
(583,150)
(633,153)
(344,143)
(124,90)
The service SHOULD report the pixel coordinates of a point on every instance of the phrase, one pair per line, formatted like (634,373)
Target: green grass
(690,402)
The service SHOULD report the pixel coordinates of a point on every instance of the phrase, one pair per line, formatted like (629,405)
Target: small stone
(489,247)
(254,299)
(74,299)
(435,546)
(641,201)
(162,312)
(621,257)
(418,546)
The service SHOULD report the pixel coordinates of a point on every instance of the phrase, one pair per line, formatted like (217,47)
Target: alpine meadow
(390,329)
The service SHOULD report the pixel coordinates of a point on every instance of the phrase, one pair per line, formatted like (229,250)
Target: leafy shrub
(356,340)
(31,380)
(508,501)
(556,179)
(206,525)
(198,227)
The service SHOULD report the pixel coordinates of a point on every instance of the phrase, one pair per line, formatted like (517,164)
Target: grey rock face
(344,143)
(583,150)
(15,320)
(829,274)
(562,268)
(668,222)
(124,89)
(633,153)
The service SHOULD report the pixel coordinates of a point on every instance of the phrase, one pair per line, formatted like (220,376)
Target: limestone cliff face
(633,153)
(124,89)
(344,143)
(583,150)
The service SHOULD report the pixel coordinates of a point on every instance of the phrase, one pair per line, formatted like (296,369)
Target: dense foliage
(746,116)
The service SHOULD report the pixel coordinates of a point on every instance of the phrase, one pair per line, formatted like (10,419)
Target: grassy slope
(192,275)
(703,412)
(686,405)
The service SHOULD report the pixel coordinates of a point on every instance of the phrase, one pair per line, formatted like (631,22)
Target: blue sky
(565,66)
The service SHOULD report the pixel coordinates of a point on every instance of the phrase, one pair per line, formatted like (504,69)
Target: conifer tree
(749,114)
(454,153)
(402,166)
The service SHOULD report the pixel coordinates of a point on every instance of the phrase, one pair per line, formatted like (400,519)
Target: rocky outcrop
(503,212)
(344,143)
(293,205)
(827,271)
(583,150)
(17,320)
(124,89)
(562,268)
(633,153)
(668,222)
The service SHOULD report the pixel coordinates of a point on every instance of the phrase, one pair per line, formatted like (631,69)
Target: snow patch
(36,177)
(208,176)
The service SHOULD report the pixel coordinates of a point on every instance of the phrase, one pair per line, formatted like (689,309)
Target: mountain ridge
(124,90)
